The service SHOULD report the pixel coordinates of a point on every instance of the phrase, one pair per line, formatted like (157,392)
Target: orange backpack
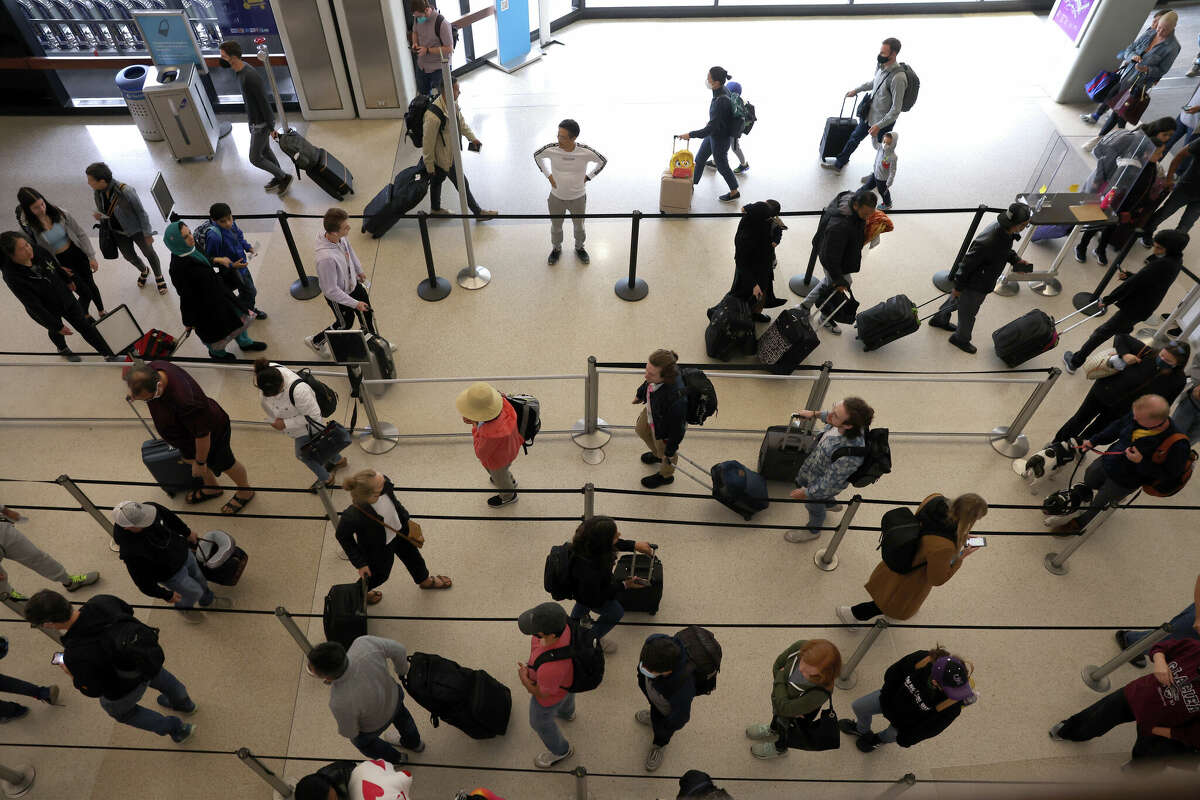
(1160,455)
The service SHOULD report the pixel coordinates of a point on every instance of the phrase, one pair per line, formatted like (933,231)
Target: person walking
(759,232)
(941,550)
(978,272)
(594,551)
(259,116)
(665,678)
(16,546)
(722,126)
(364,697)
(1137,297)
(494,432)
(56,231)
(207,304)
(836,456)
(568,176)
(226,246)
(438,153)
(118,206)
(32,275)
(291,406)
(922,694)
(1185,194)
(342,280)
(193,423)
(662,423)
(375,530)
(883,174)
(432,40)
(156,546)
(1144,62)
(840,237)
(10,685)
(112,655)
(884,104)
(803,677)
(549,699)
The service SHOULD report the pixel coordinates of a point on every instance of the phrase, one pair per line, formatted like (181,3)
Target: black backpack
(877,457)
(200,234)
(704,656)
(899,537)
(529,416)
(701,395)
(134,643)
(751,117)
(587,658)
(327,398)
(557,576)
(437,28)
(414,118)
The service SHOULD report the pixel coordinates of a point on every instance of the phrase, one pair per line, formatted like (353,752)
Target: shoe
(391,736)
(498,500)
(259,313)
(729,197)
(79,581)
(555,254)
(17,596)
(867,742)
(766,750)
(832,327)
(547,759)
(608,646)
(165,702)
(114,358)
(188,730)
(284,185)
(761,318)
(1067,528)
(946,326)
(848,727)
(654,758)
(643,716)
(1081,253)
(966,347)
(420,748)
(223,603)
(863,180)
(885,206)
(439,212)
(273,186)
(1147,240)
(221,355)
(253,347)
(761,732)
(1087,118)
(582,255)
(51,697)
(192,616)
(740,168)
(835,507)
(321,349)
(654,481)
(775,303)
(20,712)
(798,535)
(1194,72)
(709,165)
(1090,144)
(485,214)
(1101,256)
(650,458)
(847,618)
(1056,731)
(1067,359)
(67,353)
(836,167)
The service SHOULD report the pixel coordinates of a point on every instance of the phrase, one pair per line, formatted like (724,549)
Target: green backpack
(740,115)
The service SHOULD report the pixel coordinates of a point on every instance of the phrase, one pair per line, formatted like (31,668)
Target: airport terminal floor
(974,138)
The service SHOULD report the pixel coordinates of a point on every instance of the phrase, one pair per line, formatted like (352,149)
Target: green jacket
(786,700)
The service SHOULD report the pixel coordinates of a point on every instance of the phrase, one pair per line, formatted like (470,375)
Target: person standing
(978,272)
(1144,62)
(828,467)
(759,232)
(119,204)
(568,176)
(549,699)
(259,116)
(14,545)
(1185,194)
(57,231)
(662,423)
(438,153)
(665,678)
(594,551)
(885,104)
(840,237)
(226,246)
(341,276)
(803,677)
(291,405)
(1186,418)
(432,39)
(717,134)
(494,432)
(113,656)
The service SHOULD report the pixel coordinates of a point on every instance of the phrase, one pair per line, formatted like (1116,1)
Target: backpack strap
(292,390)
(557,654)
(1164,447)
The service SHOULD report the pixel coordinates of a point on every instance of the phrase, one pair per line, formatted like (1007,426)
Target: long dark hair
(594,540)
(27,196)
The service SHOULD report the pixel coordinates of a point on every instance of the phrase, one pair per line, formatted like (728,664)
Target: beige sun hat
(479,402)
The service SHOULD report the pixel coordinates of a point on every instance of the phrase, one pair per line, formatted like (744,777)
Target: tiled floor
(960,147)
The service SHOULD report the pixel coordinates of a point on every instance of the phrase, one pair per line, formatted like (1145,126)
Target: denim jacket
(1158,61)
(821,474)
(128,209)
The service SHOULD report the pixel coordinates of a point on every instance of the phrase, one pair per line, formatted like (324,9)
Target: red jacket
(498,441)
(1176,706)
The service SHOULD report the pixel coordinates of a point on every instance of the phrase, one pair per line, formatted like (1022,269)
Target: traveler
(840,239)
(828,467)
(1137,297)
(1163,705)
(113,656)
(259,116)
(1186,418)
(940,552)
(922,694)
(119,204)
(697,785)
(432,40)
(803,677)
(1186,122)
(1183,626)
(549,700)
(291,406)
(665,678)
(1185,194)
(196,425)
(594,551)
(722,126)
(735,145)
(375,530)
(14,545)
(568,178)
(342,280)
(33,277)
(494,432)
(206,302)
(1144,62)
(884,173)
(57,232)
(10,685)
(759,232)
(330,782)
(978,272)
(887,90)
(662,423)
(438,153)
(364,697)
(1131,461)
(226,246)
(156,546)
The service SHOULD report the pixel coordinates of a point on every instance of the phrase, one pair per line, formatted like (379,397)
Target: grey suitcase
(165,462)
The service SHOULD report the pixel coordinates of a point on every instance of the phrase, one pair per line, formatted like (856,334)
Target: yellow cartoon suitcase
(675,193)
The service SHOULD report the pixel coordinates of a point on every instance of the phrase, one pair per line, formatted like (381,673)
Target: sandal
(374,596)
(236,504)
(162,284)
(142,279)
(329,484)
(335,466)
(199,496)
(436,582)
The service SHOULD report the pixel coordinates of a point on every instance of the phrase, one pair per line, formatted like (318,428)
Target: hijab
(173,239)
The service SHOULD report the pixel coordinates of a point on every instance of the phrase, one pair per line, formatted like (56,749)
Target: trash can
(130,81)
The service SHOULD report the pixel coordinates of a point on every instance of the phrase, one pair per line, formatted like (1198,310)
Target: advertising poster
(1072,16)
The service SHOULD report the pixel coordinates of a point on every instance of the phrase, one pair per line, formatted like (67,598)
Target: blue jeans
(371,746)
(543,721)
(428,81)
(816,516)
(126,709)
(190,584)
(1182,627)
(609,615)
(856,137)
(718,148)
(317,467)
(866,707)
(1187,417)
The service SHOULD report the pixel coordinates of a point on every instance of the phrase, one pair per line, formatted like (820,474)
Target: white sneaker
(1087,118)
(846,616)
(1090,144)
(547,759)
(798,535)
(320,349)
(192,616)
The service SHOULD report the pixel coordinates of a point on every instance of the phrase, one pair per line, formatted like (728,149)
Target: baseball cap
(542,619)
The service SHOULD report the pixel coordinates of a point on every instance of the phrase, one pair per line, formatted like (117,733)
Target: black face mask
(224,63)
(882,59)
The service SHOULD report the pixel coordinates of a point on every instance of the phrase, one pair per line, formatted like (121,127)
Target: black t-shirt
(1189,181)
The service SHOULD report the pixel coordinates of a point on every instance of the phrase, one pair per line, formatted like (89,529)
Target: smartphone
(57,659)
(474,146)
(976,541)
(642,581)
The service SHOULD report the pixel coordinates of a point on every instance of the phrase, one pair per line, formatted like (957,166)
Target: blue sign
(248,18)
(512,30)
(169,38)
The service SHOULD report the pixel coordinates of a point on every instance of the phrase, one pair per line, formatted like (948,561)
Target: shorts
(220,453)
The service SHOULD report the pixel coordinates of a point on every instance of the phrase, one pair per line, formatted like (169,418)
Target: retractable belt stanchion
(258,768)
(305,287)
(289,625)
(384,435)
(944,279)
(18,782)
(472,276)
(848,680)
(87,505)
(899,787)
(1082,300)
(1096,678)
(327,502)
(587,432)
(581,790)
(432,288)
(803,284)
(1056,563)
(589,500)
(1008,440)
(827,559)
(632,288)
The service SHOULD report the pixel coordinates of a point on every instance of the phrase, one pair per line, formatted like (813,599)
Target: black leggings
(407,552)
(81,275)
(864,611)
(75,319)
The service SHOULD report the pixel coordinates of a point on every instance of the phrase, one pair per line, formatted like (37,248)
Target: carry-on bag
(788,341)
(734,485)
(784,449)
(345,614)
(395,200)
(469,699)
(730,330)
(331,175)
(303,153)
(890,320)
(675,189)
(221,560)
(837,132)
(1032,334)
(164,461)
(643,599)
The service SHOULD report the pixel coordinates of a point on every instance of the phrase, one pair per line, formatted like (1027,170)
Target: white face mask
(649,675)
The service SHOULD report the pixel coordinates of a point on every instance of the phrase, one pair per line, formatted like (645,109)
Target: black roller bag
(886,322)
(469,699)
(788,341)
(395,200)
(345,616)
(730,329)
(837,132)
(331,175)
(646,598)
(784,449)
(1027,336)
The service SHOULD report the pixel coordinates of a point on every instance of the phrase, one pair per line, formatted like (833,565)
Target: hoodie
(886,160)
(840,237)
(498,441)
(1176,706)
(678,688)
(94,662)
(40,289)
(338,270)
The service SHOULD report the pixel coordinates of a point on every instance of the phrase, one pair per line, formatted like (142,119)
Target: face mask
(422,19)
(1161,363)
(882,59)
(224,63)
(649,675)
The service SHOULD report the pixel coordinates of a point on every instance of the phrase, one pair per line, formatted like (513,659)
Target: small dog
(1045,462)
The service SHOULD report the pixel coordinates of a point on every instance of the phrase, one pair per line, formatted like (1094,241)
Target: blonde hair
(966,510)
(1170,20)
(360,485)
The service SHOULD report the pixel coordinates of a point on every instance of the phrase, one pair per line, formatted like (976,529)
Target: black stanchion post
(581,791)
(432,288)
(1082,300)
(944,279)
(826,559)
(803,285)
(289,624)
(633,288)
(589,500)
(899,787)
(305,287)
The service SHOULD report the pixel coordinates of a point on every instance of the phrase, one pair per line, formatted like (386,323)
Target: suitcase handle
(687,144)
(927,302)
(846,295)
(842,110)
(141,418)
(1077,324)
(690,475)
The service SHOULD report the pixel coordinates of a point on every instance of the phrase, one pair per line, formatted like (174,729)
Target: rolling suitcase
(345,614)
(165,462)
(221,560)
(303,153)
(469,699)
(395,200)
(837,132)
(647,598)
(788,341)
(735,486)
(1031,334)
(331,175)
(730,330)
(784,449)
(888,321)
(675,189)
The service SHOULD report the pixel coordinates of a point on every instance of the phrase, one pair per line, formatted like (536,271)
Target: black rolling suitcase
(165,462)
(469,699)
(730,330)
(345,614)
(837,132)
(886,322)
(1032,334)
(221,560)
(645,599)
(788,341)
(784,449)
(395,200)
(331,175)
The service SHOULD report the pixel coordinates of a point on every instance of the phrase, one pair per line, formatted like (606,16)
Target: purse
(1101,86)
(325,441)
(819,733)
(107,236)
(1097,365)
(1130,104)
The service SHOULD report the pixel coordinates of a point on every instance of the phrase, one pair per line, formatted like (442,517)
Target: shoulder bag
(1130,104)
(325,441)
(107,236)
(415,536)
(819,733)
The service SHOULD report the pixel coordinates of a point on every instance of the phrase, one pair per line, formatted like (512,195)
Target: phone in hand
(475,146)
(642,581)
(976,541)
(57,659)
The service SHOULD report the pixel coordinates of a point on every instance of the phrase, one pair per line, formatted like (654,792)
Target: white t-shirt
(386,510)
(569,168)
(379,780)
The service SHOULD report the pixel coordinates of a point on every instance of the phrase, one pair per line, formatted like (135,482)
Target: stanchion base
(631,293)
(800,286)
(1051,287)
(1014,449)
(433,291)
(1082,300)
(22,787)
(827,566)
(1048,563)
(593,457)
(224,127)
(592,443)
(474,279)
(376,447)
(1102,685)
(306,288)
(942,282)
(846,683)
(1006,288)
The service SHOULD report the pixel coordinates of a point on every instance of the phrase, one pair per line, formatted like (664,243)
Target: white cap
(132,514)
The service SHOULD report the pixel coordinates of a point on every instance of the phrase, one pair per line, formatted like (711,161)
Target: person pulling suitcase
(825,472)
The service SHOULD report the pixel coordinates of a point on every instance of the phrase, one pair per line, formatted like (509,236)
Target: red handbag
(1130,104)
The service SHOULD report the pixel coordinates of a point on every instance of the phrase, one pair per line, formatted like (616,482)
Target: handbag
(1101,86)
(1097,365)
(325,441)
(1130,104)
(107,236)
(415,535)
(819,733)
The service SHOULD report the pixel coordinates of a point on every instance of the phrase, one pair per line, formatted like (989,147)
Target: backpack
(704,656)
(738,125)
(135,642)
(529,416)
(701,395)
(751,117)
(910,91)
(469,699)
(327,398)
(557,577)
(587,658)
(876,455)
(414,118)
(1172,485)
(437,29)
(200,234)
(899,538)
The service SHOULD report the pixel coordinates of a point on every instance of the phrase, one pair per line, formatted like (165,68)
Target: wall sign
(249,18)
(1073,15)
(169,38)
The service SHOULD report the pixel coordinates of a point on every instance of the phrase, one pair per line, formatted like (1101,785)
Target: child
(227,247)
(734,88)
(885,170)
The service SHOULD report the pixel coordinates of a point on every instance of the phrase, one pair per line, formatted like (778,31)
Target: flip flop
(236,504)
(439,582)
(199,496)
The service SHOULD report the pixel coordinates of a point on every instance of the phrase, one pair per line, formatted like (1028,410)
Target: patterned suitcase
(788,341)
